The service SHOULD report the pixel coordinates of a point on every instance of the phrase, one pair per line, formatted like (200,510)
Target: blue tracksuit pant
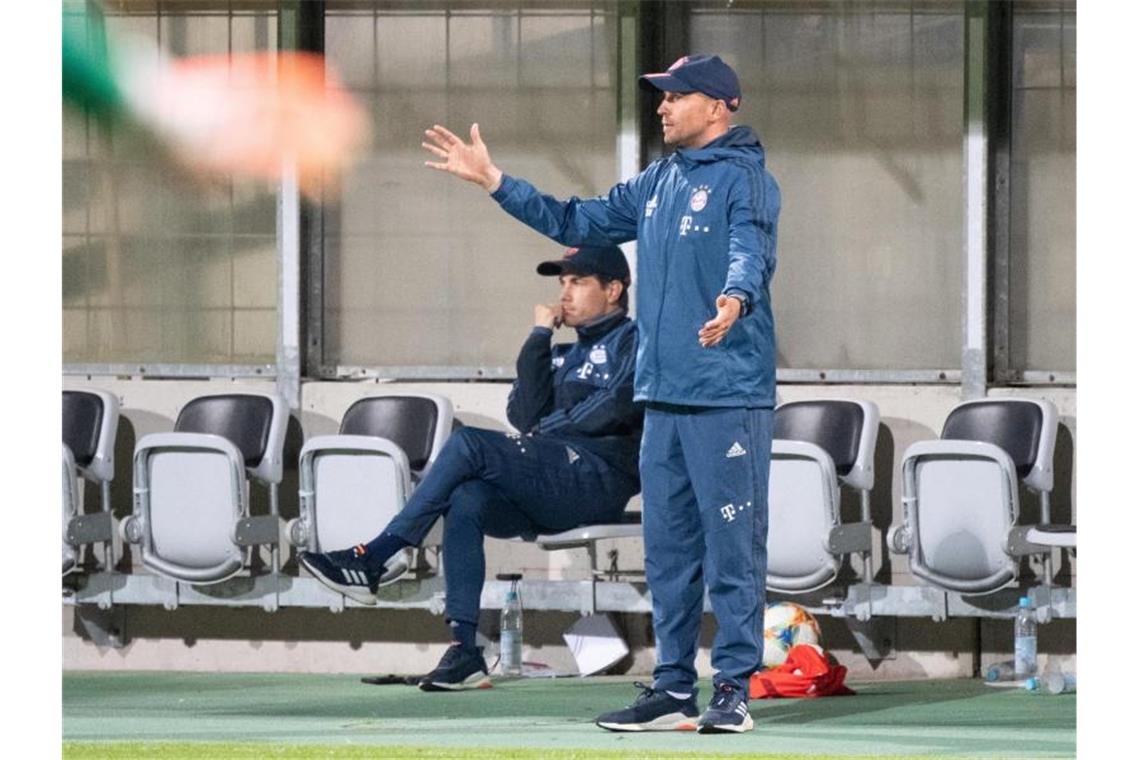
(487,483)
(704,476)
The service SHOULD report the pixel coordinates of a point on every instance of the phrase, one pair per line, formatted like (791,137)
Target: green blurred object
(88,77)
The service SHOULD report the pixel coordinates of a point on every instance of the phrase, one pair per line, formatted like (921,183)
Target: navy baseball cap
(698,73)
(607,261)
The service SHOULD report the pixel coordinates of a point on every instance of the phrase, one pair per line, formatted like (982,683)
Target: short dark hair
(623,299)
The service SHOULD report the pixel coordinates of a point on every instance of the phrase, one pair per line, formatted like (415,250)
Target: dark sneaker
(346,572)
(458,669)
(727,713)
(653,711)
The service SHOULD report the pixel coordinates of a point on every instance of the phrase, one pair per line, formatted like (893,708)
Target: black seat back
(1015,426)
(833,425)
(243,419)
(407,421)
(82,420)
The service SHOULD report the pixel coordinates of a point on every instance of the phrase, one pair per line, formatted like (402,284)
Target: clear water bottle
(1025,640)
(1000,671)
(511,629)
(1052,683)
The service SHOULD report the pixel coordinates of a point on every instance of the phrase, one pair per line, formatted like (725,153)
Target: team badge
(598,355)
(700,199)
(558,361)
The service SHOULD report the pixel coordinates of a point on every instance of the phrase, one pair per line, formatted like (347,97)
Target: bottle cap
(1024,602)
(1031,684)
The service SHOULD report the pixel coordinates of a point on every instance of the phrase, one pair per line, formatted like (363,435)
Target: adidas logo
(735,451)
(354,577)
(572,455)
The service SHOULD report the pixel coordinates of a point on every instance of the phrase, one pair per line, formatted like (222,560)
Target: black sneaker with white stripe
(653,710)
(347,572)
(728,711)
(459,668)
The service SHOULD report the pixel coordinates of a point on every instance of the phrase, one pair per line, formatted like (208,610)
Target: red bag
(808,672)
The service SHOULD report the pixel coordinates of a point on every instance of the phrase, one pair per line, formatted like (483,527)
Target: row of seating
(192,521)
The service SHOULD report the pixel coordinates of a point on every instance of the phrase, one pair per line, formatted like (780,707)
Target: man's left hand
(727,312)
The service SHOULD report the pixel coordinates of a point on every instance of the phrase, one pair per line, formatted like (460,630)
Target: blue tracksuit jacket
(705,224)
(582,392)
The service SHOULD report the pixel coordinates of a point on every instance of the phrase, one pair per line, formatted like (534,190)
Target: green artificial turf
(220,751)
(174,715)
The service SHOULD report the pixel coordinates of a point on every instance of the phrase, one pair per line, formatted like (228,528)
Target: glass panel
(1043,191)
(424,270)
(859,106)
(159,267)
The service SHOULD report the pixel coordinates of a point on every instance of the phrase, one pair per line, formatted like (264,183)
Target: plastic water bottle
(1025,640)
(511,629)
(1052,683)
(1000,671)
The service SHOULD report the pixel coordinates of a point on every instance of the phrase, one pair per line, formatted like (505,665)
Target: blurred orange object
(253,115)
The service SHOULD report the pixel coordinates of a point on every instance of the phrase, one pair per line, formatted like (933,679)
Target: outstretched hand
(471,162)
(727,312)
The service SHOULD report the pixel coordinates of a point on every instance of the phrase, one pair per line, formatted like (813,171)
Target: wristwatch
(739,295)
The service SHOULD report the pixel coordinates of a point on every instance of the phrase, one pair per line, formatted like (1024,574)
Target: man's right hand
(470,162)
(547,316)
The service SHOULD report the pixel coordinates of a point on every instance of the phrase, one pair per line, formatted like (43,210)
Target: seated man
(574,463)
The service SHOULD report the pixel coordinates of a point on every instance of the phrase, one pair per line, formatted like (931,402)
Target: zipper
(661,303)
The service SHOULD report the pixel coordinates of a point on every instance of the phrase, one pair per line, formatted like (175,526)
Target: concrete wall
(306,640)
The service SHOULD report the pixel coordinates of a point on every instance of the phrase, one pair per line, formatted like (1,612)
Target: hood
(736,142)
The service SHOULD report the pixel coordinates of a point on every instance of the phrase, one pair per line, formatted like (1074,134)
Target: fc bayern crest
(700,199)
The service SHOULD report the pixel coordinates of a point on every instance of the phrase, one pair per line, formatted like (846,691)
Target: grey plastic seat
(191,487)
(818,445)
(353,483)
(960,494)
(588,536)
(90,424)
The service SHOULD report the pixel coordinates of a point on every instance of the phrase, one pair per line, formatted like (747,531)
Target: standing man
(705,222)
(573,461)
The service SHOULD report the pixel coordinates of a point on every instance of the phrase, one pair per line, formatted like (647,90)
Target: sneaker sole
(353,592)
(726,728)
(477,681)
(392,575)
(670,722)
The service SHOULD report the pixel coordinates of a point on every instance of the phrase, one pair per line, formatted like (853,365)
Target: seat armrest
(1064,536)
(849,538)
(90,529)
(1032,539)
(255,531)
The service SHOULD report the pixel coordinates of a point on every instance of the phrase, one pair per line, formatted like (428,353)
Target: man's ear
(613,291)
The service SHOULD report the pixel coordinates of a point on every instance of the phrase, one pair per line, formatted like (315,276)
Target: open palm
(471,162)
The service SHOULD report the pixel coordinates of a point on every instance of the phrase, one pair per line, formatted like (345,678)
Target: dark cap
(607,261)
(698,73)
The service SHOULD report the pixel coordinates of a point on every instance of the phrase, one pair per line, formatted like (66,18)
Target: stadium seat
(960,494)
(587,537)
(191,487)
(353,483)
(818,445)
(90,423)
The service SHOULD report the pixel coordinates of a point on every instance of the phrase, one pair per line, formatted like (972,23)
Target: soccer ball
(785,625)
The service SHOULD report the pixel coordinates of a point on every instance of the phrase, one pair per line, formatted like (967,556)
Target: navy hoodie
(582,392)
(705,224)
